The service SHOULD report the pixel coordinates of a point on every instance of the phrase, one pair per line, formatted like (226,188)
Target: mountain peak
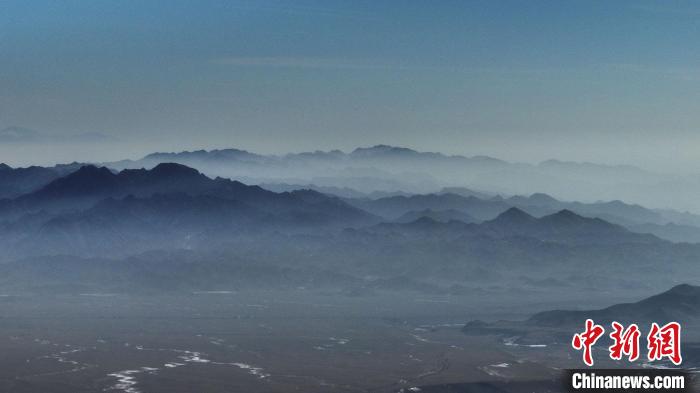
(96,182)
(442,216)
(173,169)
(382,149)
(90,171)
(86,180)
(566,217)
(540,197)
(217,154)
(684,290)
(566,214)
(514,216)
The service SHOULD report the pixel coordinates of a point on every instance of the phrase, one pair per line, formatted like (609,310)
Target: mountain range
(457,239)
(435,243)
(95,210)
(563,227)
(391,169)
(451,206)
(458,203)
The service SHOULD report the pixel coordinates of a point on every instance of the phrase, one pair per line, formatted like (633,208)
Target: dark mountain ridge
(394,207)
(17,181)
(88,185)
(567,180)
(562,227)
(633,217)
(437,215)
(680,303)
(50,189)
(95,210)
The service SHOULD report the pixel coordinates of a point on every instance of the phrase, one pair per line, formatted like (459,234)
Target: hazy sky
(608,81)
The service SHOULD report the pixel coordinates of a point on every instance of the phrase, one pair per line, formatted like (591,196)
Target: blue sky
(607,81)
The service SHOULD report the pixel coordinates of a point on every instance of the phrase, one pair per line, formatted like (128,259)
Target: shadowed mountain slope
(680,303)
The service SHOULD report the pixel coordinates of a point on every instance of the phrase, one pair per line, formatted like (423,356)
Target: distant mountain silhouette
(90,184)
(86,181)
(680,303)
(360,153)
(562,227)
(404,222)
(425,228)
(536,199)
(513,218)
(94,208)
(396,206)
(396,152)
(561,179)
(342,192)
(405,209)
(223,155)
(17,181)
(384,168)
(614,211)
(171,205)
(437,215)
(466,192)
(670,231)
(634,217)
(385,150)
(35,180)
(96,212)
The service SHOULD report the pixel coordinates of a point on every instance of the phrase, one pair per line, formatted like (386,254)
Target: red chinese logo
(662,342)
(665,342)
(586,340)
(625,342)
